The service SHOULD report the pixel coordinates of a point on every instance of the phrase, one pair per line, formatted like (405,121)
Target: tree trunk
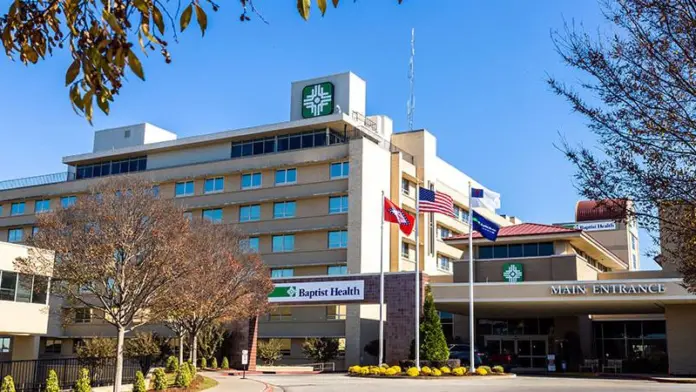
(194,349)
(119,359)
(181,348)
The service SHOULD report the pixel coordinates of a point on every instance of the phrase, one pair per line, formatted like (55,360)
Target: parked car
(505,359)
(461,352)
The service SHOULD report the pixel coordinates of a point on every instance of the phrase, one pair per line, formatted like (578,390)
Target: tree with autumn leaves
(124,253)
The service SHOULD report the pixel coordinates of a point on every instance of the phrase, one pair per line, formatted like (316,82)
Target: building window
(184,188)
(106,168)
(188,215)
(8,285)
(5,345)
(213,215)
(250,245)
(336,312)
(283,243)
(444,263)
(42,206)
(1,210)
(337,270)
(23,288)
(280,313)
(284,209)
(24,284)
(461,214)
(405,250)
(338,239)
(447,322)
(68,201)
(405,187)
(15,235)
(286,176)
(155,191)
(637,342)
(214,185)
(533,249)
(282,272)
(39,291)
(251,180)
(338,204)
(34,231)
(83,315)
(250,213)
(287,142)
(53,346)
(633,242)
(443,232)
(17,209)
(635,261)
(340,170)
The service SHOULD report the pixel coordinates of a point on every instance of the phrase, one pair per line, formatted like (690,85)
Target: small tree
(172,364)
(139,384)
(210,339)
(144,347)
(321,349)
(97,354)
(269,351)
(213,363)
(160,380)
(52,382)
(225,363)
(204,363)
(83,383)
(433,343)
(7,384)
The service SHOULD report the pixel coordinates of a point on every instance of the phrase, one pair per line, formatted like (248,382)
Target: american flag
(432,201)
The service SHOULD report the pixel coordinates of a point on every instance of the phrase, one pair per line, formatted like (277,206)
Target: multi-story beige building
(307,192)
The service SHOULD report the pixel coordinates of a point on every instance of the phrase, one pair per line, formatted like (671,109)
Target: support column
(681,345)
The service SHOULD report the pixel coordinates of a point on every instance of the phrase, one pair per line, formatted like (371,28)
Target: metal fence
(37,180)
(31,375)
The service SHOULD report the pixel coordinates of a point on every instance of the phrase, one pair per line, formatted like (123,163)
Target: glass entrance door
(527,351)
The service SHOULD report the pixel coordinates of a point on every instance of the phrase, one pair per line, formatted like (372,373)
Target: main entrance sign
(608,289)
(317,100)
(345,290)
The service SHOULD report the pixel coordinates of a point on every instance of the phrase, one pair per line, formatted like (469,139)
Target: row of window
(106,168)
(282,209)
(337,170)
(533,249)
(17,234)
(290,272)
(284,313)
(18,287)
(444,263)
(591,260)
(286,243)
(44,205)
(289,142)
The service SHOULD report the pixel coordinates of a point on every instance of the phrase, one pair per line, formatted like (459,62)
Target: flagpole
(416,347)
(472,364)
(381,288)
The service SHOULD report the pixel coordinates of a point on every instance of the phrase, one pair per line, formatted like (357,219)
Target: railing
(31,375)
(367,125)
(37,180)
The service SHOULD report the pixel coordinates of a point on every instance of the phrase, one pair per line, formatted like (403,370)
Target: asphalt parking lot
(340,382)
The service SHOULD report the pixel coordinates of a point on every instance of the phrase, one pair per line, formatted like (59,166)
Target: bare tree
(639,99)
(224,283)
(119,249)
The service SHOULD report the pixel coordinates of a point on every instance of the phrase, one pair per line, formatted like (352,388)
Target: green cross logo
(283,292)
(317,100)
(513,272)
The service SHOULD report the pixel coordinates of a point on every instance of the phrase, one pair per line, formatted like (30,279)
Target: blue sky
(480,88)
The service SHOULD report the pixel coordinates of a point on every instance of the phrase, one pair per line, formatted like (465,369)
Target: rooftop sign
(317,100)
(592,226)
(344,290)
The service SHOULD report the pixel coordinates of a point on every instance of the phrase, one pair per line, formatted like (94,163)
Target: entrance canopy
(562,298)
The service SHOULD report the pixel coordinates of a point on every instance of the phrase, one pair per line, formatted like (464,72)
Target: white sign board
(344,290)
(245,357)
(551,358)
(593,226)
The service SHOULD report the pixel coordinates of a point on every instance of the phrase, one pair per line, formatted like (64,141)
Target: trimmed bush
(183,377)
(225,363)
(160,380)
(498,369)
(139,384)
(391,372)
(213,363)
(83,384)
(192,370)
(7,384)
(172,365)
(487,368)
(52,382)
(436,372)
(413,372)
(396,368)
(445,370)
(426,371)
(459,371)
(481,371)
(204,363)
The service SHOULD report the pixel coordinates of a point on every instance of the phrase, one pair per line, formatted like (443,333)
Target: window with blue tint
(283,243)
(633,242)
(485,252)
(17,208)
(286,142)
(68,201)
(339,170)
(213,215)
(443,232)
(284,209)
(338,204)
(251,245)
(531,250)
(500,251)
(545,248)
(42,206)
(338,239)
(635,261)
(515,250)
(251,180)
(443,263)
(34,230)
(184,188)
(188,215)
(1,210)
(106,168)
(213,185)
(286,176)
(155,191)
(337,270)
(282,272)
(15,235)
(250,213)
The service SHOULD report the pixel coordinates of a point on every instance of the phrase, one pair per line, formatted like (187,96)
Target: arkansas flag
(394,214)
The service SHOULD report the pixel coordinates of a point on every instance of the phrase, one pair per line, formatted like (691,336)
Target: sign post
(245,362)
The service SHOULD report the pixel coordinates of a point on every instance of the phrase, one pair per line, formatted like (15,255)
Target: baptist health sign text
(347,290)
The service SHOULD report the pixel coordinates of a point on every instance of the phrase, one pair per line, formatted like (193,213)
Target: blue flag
(488,229)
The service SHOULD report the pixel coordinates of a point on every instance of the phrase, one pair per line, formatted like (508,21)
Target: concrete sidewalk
(227,383)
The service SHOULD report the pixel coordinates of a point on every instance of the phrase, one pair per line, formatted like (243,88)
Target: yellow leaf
(135,65)
(303,8)
(73,71)
(142,6)
(87,105)
(157,18)
(322,6)
(185,17)
(103,104)
(202,18)
(111,19)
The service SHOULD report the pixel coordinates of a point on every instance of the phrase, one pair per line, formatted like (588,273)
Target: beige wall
(546,268)
(681,345)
